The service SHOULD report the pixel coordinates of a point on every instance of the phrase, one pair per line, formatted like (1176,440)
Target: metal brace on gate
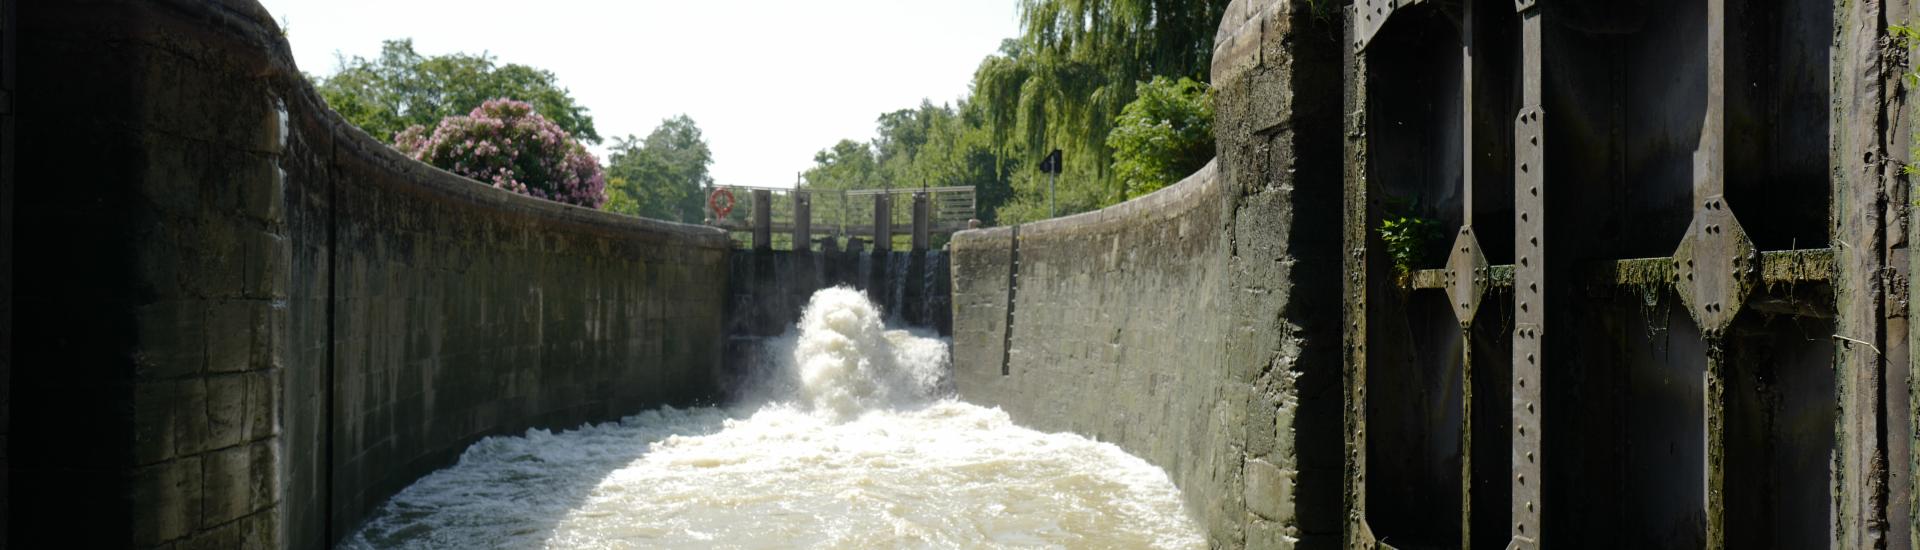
(1467,276)
(1371,15)
(1715,267)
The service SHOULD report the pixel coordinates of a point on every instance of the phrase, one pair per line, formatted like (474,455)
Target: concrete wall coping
(1164,203)
(1236,46)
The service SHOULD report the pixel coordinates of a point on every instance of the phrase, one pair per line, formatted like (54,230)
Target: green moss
(1908,38)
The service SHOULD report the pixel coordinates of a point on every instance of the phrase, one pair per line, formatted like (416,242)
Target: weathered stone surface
(223,536)
(263,404)
(1269,535)
(175,417)
(1269,491)
(227,413)
(228,493)
(171,494)
(263,479)
(176,325)
(1117,333)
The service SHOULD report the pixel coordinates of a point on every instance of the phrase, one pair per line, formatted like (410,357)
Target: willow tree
(1074,68)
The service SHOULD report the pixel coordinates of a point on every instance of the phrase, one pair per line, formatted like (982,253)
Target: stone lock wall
(1118,323)
(1187,326)
(461,312)
(252,323)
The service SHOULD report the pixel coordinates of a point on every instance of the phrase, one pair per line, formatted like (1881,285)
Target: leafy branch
(1410,240)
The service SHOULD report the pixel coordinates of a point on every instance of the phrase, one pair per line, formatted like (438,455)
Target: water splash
(856,442)
(848,362)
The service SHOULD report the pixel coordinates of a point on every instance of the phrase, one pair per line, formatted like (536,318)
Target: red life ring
(713,202)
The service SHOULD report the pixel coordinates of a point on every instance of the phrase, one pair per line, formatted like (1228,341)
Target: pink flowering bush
(504,143)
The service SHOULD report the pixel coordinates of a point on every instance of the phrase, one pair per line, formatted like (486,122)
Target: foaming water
(850,439)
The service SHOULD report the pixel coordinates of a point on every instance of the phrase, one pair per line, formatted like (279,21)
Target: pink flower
(506,143)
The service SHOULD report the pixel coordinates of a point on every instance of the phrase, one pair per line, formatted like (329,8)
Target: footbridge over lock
(1664,303)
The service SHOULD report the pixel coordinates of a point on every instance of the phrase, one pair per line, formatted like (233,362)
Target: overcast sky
(770,82)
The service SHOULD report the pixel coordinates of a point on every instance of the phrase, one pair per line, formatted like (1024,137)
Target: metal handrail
(841,214)
(908,190)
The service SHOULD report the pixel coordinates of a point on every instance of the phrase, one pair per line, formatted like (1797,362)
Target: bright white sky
(770,82)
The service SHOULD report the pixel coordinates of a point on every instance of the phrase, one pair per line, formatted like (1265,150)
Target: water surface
(849,441)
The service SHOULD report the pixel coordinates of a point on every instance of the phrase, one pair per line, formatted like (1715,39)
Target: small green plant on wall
(1410,239)
(1908,39)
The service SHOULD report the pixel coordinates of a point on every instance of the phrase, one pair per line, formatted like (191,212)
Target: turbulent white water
(850,443)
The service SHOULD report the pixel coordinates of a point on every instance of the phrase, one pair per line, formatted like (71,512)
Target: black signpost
(1051,166)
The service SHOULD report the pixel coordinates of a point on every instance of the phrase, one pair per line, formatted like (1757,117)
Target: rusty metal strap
(1776,267)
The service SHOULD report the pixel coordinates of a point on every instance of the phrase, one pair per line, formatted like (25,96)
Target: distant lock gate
(834,215)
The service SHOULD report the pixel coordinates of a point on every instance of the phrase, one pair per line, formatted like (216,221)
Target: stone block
(262,530)
(218,538)
(211,262)
(160,265)
(227,410)
(1269,491)
(169,420)
(1283,450)
(263,474)
(166,501)
(1261,411)
(173,339)
(263,404)
(172,173)
(269,257)
(236,333)
(1265,534)
(204,103)
(228,177)
(228,493)
(279,334)
(1237,51)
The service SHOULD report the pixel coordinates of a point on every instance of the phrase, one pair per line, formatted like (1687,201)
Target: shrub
(506,144)
(401,88)
(1410,241)
(1162,136)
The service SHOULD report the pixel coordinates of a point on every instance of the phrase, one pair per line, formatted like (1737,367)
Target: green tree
(847,165)
(1165,134)
(403,88)
(1066,80)
(930,145)
(1064,83)
(662,176)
